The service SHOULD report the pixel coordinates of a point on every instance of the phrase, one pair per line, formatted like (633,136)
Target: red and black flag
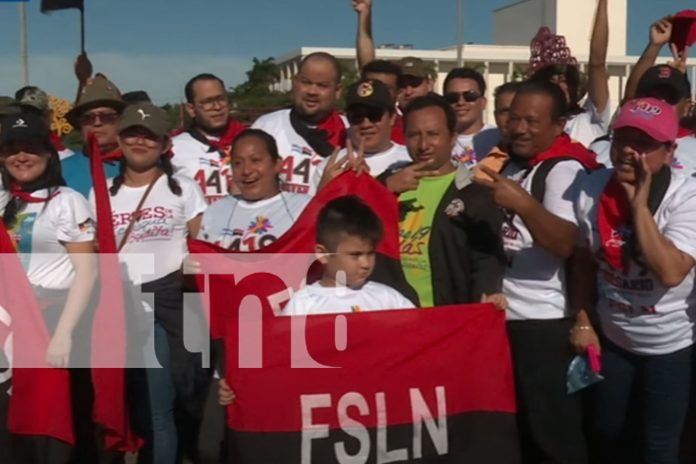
(52,5)
(390,386)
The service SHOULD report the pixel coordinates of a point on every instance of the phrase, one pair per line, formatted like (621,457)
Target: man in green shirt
(451,248)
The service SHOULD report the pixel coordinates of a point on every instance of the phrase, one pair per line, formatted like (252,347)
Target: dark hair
(165,164)
(572,75)
(466,73)
(381,67)
(265,137)
(559,105)
(508,87)
(188,89)
(24,90)
(432,100)
(350,216)
(326,57)
(50,179)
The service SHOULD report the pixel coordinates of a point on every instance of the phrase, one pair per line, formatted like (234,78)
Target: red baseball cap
(683,29)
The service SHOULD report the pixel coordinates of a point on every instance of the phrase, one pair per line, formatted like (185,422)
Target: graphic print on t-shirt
(256,236)
(214,177)
(154,224)
(296,170)
(22,232)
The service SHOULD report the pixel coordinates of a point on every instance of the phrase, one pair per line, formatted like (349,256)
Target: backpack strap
(539,180)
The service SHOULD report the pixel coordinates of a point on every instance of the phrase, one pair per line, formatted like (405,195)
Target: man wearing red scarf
(312,129)
(535,189)
(203,151)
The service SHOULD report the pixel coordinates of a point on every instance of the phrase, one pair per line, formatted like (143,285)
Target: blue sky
(158,44)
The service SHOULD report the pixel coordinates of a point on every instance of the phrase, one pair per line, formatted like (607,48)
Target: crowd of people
(574,220)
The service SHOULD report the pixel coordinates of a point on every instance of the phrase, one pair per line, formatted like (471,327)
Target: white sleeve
(74,219)
(194,201)
(602,119)
(561,188)
(261,123)
(681,224)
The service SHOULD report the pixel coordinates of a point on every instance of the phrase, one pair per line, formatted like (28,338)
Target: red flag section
(404,386)
(40,400)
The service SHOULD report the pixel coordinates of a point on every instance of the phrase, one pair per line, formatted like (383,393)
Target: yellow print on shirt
(414,235)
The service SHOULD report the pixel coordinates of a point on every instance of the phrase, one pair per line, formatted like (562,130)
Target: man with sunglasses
(416,81)
(670,85)
(371,114)
(203,151)
(97,111)
(465,91)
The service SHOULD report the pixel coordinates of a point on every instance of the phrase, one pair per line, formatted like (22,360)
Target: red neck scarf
(26,197)
(336,130)
(684,132)
(234,128)
(564,147)
(56,142)
(615,222)
(613,219)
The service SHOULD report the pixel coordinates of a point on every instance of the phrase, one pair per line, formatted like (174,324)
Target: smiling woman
(52,227)
(261,212)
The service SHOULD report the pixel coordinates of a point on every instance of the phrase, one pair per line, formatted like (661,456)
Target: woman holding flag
(150,239)
(52,227)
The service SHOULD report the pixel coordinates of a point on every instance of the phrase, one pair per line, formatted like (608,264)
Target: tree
(255,96)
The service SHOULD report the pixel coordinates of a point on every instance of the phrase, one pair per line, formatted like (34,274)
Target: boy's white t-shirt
(159,237)
(40,231)
(637,312)
(372,296)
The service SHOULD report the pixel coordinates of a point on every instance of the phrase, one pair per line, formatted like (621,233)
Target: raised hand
(638,192)
(506,193)
(679,58)
(661,31)
(83,68)
(362,6)
(407,179)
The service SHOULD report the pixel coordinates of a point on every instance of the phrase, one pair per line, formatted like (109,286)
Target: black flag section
(52,5)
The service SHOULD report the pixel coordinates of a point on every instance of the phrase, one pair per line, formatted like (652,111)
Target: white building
(514,26)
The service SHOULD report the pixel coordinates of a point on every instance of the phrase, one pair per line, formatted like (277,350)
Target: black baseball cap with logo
(664,82)
(25,127)
(369,92)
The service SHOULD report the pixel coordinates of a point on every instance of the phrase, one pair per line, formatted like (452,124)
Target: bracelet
(581,327)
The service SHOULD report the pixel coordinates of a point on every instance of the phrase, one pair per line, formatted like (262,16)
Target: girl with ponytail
(153,211)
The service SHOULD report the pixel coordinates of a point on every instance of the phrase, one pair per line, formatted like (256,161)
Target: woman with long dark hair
(153,211)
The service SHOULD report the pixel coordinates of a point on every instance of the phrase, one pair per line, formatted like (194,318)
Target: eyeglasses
(410,81)
(469,96)
(89,119)
(356,116)
(209,103)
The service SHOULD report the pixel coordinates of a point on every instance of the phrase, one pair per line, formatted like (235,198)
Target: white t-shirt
(4,197)
(300,161)
(684,159)
(41,227)
(377,162)
(535,280)
(637,312)
(373,296)
(241,225)
(589,125)
(469,148)
(207,167)
(159,236)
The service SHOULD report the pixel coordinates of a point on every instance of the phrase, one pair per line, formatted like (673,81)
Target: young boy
(348,232)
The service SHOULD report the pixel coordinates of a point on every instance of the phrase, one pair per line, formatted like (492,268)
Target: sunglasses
(410,81)
(640,144)
(357,116)
(469,96)
(104,118)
